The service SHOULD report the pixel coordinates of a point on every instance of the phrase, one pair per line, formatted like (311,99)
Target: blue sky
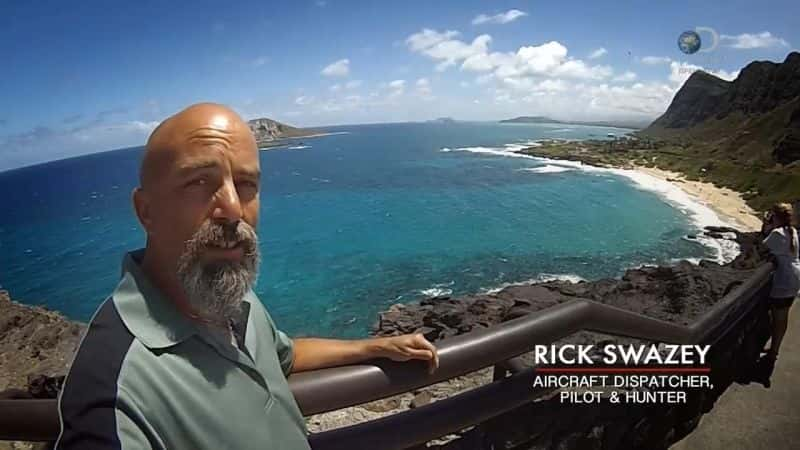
(81,77)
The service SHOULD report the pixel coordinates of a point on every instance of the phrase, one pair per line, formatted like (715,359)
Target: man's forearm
(315,353)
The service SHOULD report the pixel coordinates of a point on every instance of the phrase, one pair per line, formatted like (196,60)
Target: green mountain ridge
(743,134)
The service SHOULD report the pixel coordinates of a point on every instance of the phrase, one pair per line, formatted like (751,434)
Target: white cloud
(548,59)
(626,77)
(303,100)
(442,47)
(428,38)
(501,18)
(655,60)
(764,39)
(598,53)
(681,71)
(335,87)
(396,89)
(340,68)
(578,69)
(353,84)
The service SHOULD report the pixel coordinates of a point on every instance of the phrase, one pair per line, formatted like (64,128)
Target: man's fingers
(433,361)
(415,353)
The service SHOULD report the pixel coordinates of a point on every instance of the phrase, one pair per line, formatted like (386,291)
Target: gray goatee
(216,289)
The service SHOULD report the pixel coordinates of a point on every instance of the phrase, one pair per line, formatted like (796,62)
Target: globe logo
(689,42)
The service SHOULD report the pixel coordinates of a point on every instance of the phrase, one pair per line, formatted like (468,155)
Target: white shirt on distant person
(786,280)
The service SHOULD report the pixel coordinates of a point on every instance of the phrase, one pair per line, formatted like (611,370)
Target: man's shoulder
(102,349)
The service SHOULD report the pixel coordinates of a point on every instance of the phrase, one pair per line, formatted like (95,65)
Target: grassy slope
(735,152)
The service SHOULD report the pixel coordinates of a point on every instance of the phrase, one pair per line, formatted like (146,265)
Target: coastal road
(753,417)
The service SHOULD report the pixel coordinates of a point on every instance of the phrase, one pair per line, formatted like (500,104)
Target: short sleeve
(284,346)
(285,349)
(774,241)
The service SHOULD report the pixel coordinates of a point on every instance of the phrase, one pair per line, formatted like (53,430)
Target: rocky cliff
(34,342)
(268,132)
(754,119)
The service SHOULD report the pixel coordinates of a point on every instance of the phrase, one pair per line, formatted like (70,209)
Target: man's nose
(227,206)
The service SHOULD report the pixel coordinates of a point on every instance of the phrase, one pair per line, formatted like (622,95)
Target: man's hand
(407,347)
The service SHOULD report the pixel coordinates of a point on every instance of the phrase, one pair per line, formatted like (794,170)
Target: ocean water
(369,216)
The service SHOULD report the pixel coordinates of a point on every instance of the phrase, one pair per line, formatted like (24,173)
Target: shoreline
(286,141)
(728,204)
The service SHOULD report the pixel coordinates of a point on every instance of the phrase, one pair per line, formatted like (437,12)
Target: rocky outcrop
(34,342)
(268,132)
(678,293)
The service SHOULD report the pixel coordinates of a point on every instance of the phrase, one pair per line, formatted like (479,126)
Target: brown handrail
(335,388)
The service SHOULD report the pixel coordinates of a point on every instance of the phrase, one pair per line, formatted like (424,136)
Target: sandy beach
(726,203)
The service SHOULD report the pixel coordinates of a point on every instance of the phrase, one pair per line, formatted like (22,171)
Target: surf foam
(541,278)
(549,168)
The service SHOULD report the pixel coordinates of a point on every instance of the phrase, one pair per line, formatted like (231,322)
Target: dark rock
(421,399)
(383,405)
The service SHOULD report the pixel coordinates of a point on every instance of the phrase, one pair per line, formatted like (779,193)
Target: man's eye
(248,184)
(202,181)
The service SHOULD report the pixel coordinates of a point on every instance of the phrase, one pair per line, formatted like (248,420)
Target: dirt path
(752,417)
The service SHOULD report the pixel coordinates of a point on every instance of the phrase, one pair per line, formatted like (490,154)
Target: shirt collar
(147,313)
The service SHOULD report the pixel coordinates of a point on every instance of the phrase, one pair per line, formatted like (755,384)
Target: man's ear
(141,204)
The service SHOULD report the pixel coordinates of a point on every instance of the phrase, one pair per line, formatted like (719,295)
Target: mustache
(229,234)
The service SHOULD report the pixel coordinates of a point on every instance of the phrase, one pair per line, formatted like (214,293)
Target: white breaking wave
(547,169)
(541,278)
(489,151)
(436,292)
(299,147)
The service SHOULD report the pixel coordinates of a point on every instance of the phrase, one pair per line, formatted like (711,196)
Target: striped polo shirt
(147,377)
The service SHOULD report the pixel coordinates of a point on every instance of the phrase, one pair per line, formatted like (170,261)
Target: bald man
(183,354)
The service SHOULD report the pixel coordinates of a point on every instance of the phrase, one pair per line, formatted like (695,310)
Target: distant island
(442,120)
(271,133)
(542,119)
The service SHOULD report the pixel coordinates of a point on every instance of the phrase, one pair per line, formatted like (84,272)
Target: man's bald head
(201,120)
(198,202)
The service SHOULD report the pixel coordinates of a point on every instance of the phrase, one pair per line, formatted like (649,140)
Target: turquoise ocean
(365,217)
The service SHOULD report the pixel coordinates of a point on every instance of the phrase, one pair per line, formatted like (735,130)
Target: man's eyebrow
(187,168)
(248,172)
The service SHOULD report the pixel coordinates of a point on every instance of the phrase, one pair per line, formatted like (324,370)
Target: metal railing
(339,387)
